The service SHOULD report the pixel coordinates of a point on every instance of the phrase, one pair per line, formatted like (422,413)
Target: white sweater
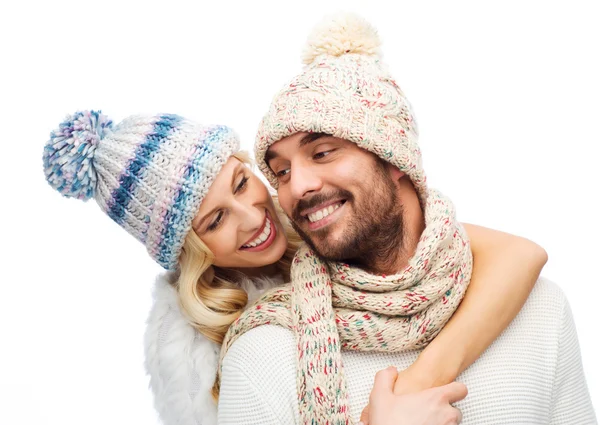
(532,374)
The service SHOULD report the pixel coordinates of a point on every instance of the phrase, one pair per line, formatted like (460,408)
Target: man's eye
(282,173)
(321,155)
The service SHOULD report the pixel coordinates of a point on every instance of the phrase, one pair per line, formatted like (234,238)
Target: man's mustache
(318,199)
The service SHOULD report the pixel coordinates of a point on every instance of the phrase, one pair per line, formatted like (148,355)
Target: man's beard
(374,235)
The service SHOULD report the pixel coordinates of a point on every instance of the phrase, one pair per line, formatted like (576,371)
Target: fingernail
(360,423)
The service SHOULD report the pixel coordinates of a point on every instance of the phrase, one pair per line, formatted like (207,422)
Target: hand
(408,381)
(412,380)
(428,407)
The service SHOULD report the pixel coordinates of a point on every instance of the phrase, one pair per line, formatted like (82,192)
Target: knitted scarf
(333,306)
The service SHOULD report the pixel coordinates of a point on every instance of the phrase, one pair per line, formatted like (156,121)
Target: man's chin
(326,249)
(325,242)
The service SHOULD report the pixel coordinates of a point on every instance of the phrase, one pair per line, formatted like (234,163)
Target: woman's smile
(263,238)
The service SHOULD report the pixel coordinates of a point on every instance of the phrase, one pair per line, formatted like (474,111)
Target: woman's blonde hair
(211,296)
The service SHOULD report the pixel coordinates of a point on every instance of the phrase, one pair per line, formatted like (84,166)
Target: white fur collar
(180,361)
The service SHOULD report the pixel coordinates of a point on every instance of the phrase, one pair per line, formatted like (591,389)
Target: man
(340,145)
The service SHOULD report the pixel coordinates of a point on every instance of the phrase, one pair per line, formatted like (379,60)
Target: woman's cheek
(261,190)
(284,200)
(226,243)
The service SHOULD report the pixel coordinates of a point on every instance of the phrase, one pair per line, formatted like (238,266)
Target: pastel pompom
(69,154)
(339,35)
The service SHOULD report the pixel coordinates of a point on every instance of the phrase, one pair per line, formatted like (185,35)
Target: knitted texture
(347,92)
(531,374)
(331,306)
(148,173)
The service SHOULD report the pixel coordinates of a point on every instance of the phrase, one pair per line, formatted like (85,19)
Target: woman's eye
(242,185)
(216,222)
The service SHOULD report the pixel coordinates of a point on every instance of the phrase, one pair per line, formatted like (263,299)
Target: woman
(161,176)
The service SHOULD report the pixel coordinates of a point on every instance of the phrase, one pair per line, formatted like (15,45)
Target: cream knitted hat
(347,92)
(148,173)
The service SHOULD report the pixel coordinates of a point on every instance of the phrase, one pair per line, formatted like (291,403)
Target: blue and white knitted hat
(148,173)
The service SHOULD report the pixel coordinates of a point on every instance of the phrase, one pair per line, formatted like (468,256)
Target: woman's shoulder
(167,325)
(180,361)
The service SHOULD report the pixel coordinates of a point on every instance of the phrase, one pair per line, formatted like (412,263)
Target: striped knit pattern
(332,306)
(148,173)
(136,166)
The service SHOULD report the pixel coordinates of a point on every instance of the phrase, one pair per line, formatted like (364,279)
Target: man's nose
(304,181)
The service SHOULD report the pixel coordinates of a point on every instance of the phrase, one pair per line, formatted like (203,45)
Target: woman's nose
(251,218)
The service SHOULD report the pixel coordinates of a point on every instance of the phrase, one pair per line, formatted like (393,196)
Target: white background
(507,99)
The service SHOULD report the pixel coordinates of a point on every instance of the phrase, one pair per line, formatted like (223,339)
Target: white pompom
(341,34)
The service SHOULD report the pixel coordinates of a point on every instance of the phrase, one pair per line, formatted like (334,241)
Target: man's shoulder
(259,372)
(267,344)
(546,298)
(548,288)
(539,324)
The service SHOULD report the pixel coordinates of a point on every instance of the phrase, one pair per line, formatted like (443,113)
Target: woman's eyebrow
(202,220)
(236,171)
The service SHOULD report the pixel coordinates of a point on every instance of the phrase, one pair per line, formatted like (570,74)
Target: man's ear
(395,172)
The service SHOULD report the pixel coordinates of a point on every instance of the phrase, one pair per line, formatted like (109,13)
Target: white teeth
(316,216)
(262,237)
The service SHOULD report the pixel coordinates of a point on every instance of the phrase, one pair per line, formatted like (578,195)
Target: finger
(385,380)
(453,416)
(453,392)
(459,415)
(364,416)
